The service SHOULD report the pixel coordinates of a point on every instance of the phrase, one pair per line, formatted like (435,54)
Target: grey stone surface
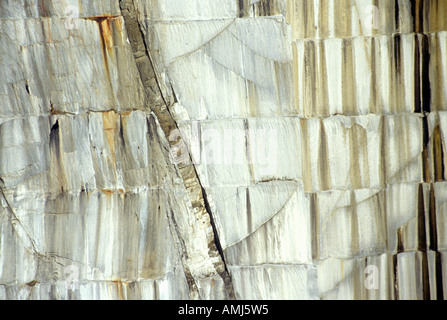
(271,149)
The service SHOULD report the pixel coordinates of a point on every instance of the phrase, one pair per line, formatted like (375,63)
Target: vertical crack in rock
(433,243)
(217,246)
(438,155)
(258,8)
(425,74)
(422,243)
(187,171)
(425,141)
(417,76)
(28,242)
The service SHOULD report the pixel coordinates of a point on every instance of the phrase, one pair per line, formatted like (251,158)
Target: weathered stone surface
(89,192)
(354,101)
(270,149)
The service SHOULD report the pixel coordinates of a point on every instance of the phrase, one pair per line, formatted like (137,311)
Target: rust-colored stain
(49,31)
(119,288)
(43,12)
(109,122)
(107,28)
(106,33)
(106,41)
(111,191)
(32,283)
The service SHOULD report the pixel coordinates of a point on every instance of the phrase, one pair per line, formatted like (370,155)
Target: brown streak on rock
(105,32)
(422,234)
(438,154)
(109,122)
(43,12)
(107,191)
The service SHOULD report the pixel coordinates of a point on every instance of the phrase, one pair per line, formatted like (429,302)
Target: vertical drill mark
(314,211)
(438,155)
(374,83)
(425,277)
(306,158)
(425,74)
(396,15)
(355,245)
(439,281)
(417,13)
(323,160)
(413,13)
(396,280)
(397,53)
(241,8)
(417,75)
(248,153)
(348,79)
(400,244)
(309,78)
(432,220)
(249,211)
(433,246)
(422,235)
(425,140)
(397,74)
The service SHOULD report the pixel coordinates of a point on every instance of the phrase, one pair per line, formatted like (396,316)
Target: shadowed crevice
(160,108)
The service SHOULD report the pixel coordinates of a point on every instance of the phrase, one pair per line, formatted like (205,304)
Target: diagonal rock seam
(188,173)
(27,241)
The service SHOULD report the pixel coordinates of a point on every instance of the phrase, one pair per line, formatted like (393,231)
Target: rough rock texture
(88,190)
(270,149)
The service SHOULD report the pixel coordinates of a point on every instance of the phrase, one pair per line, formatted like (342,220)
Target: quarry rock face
(225,149)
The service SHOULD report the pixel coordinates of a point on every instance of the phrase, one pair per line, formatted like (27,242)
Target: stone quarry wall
(271,149)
